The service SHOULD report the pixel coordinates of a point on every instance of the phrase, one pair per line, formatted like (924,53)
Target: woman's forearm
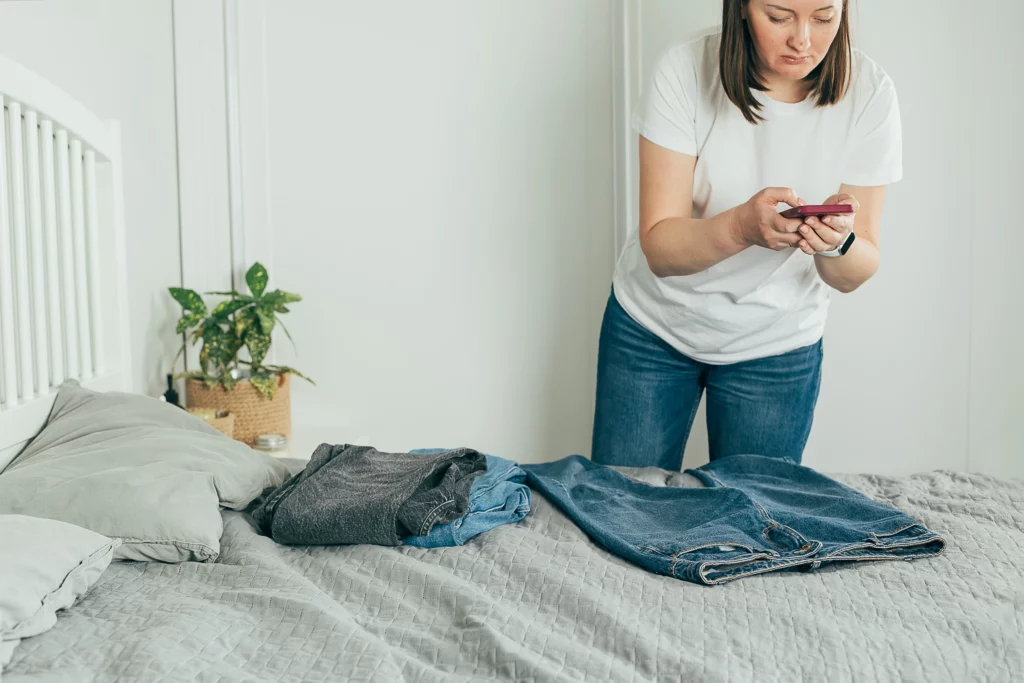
(851,270)
(684,246)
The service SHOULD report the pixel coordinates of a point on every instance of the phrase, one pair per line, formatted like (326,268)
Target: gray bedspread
(537,601)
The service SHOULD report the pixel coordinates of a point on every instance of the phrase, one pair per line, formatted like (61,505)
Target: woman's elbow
(658,264)
(664,270)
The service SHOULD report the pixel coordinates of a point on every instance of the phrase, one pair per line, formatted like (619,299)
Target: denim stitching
(429,518)
(893,533)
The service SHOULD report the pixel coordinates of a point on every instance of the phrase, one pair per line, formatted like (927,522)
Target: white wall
(923,365)
(116,57)
(440,190)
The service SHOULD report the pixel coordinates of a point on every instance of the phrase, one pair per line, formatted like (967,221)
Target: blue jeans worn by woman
(648,394)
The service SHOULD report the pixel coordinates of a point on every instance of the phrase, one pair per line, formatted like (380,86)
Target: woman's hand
(828,232)
(761,225)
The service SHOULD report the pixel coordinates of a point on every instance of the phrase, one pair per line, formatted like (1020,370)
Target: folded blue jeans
(756,514)
(498,496)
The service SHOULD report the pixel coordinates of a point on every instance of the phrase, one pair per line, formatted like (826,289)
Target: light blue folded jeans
(498,496)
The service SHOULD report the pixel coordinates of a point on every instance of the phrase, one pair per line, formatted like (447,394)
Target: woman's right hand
(760,222)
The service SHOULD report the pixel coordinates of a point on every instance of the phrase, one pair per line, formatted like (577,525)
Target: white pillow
(137,469)
(45,566)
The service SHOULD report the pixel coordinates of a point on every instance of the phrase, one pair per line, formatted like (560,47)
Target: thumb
(783,195)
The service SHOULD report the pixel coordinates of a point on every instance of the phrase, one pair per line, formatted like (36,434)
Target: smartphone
(816,210)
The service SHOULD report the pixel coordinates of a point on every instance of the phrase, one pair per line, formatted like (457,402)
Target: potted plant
(257,394)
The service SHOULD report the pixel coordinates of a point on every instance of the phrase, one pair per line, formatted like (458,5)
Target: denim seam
(812,559)
(773,567)
(764,513)
(922,540)
(791,532)
(893,533)
(751,549)
(428,519)
(717,480)
(477,491)
(724,563)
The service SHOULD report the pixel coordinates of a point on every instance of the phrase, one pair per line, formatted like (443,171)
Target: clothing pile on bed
(753,515)
(428,498)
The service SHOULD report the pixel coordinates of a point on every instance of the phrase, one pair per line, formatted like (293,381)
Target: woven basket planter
(221,420)
(254,415)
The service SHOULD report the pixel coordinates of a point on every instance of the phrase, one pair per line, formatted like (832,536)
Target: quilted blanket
(537,601)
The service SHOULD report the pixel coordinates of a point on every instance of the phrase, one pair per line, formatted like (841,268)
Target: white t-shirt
(760,302)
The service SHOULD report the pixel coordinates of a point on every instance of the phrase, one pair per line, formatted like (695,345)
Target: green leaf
(231,293)
(232,345)
(285,370)
(245,320)
(257,278)
(226,308)
(258,344)
(189,300)
(264,384)
(278,299)
(227,381)
(286,332)
(212,346)
(188,321)
(219,347)
(266,316)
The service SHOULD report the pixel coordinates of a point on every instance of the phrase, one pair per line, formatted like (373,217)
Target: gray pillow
(45,566)
(136,469)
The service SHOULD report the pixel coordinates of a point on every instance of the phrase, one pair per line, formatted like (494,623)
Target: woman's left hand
(828,232)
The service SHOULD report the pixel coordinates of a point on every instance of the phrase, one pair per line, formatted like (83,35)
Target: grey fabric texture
(537,601)
(357,494)
(45,566)
(136,469)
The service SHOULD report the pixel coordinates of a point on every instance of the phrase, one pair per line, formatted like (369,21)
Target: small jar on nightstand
(272,444)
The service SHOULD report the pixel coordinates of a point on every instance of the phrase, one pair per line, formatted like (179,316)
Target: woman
(717,291)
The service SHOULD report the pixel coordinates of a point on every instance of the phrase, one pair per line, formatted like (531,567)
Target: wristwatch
(841,249)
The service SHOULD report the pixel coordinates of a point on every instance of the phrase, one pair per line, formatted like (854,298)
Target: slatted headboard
(63,285)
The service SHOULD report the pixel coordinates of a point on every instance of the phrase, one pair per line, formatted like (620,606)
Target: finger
(814,242)
(806,248)
(827,234)
(785,241)
(787,226)
(808,235)
(784,195)
(841,224)
(847,198)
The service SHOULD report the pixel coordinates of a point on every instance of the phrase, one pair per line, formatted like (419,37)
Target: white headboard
(63,284)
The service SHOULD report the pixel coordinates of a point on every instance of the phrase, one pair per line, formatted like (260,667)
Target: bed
(538,601)
(531,601)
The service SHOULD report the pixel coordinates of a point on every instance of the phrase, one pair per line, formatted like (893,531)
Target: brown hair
(740,66)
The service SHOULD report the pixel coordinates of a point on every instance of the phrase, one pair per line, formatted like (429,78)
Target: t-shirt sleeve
(877,154)
(667,109)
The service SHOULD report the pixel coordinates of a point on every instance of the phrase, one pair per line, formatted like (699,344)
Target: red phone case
(816,210)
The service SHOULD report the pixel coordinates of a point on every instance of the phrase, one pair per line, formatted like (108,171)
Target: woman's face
(793,36)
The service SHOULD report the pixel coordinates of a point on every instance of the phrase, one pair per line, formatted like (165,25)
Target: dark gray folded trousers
(357,494)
